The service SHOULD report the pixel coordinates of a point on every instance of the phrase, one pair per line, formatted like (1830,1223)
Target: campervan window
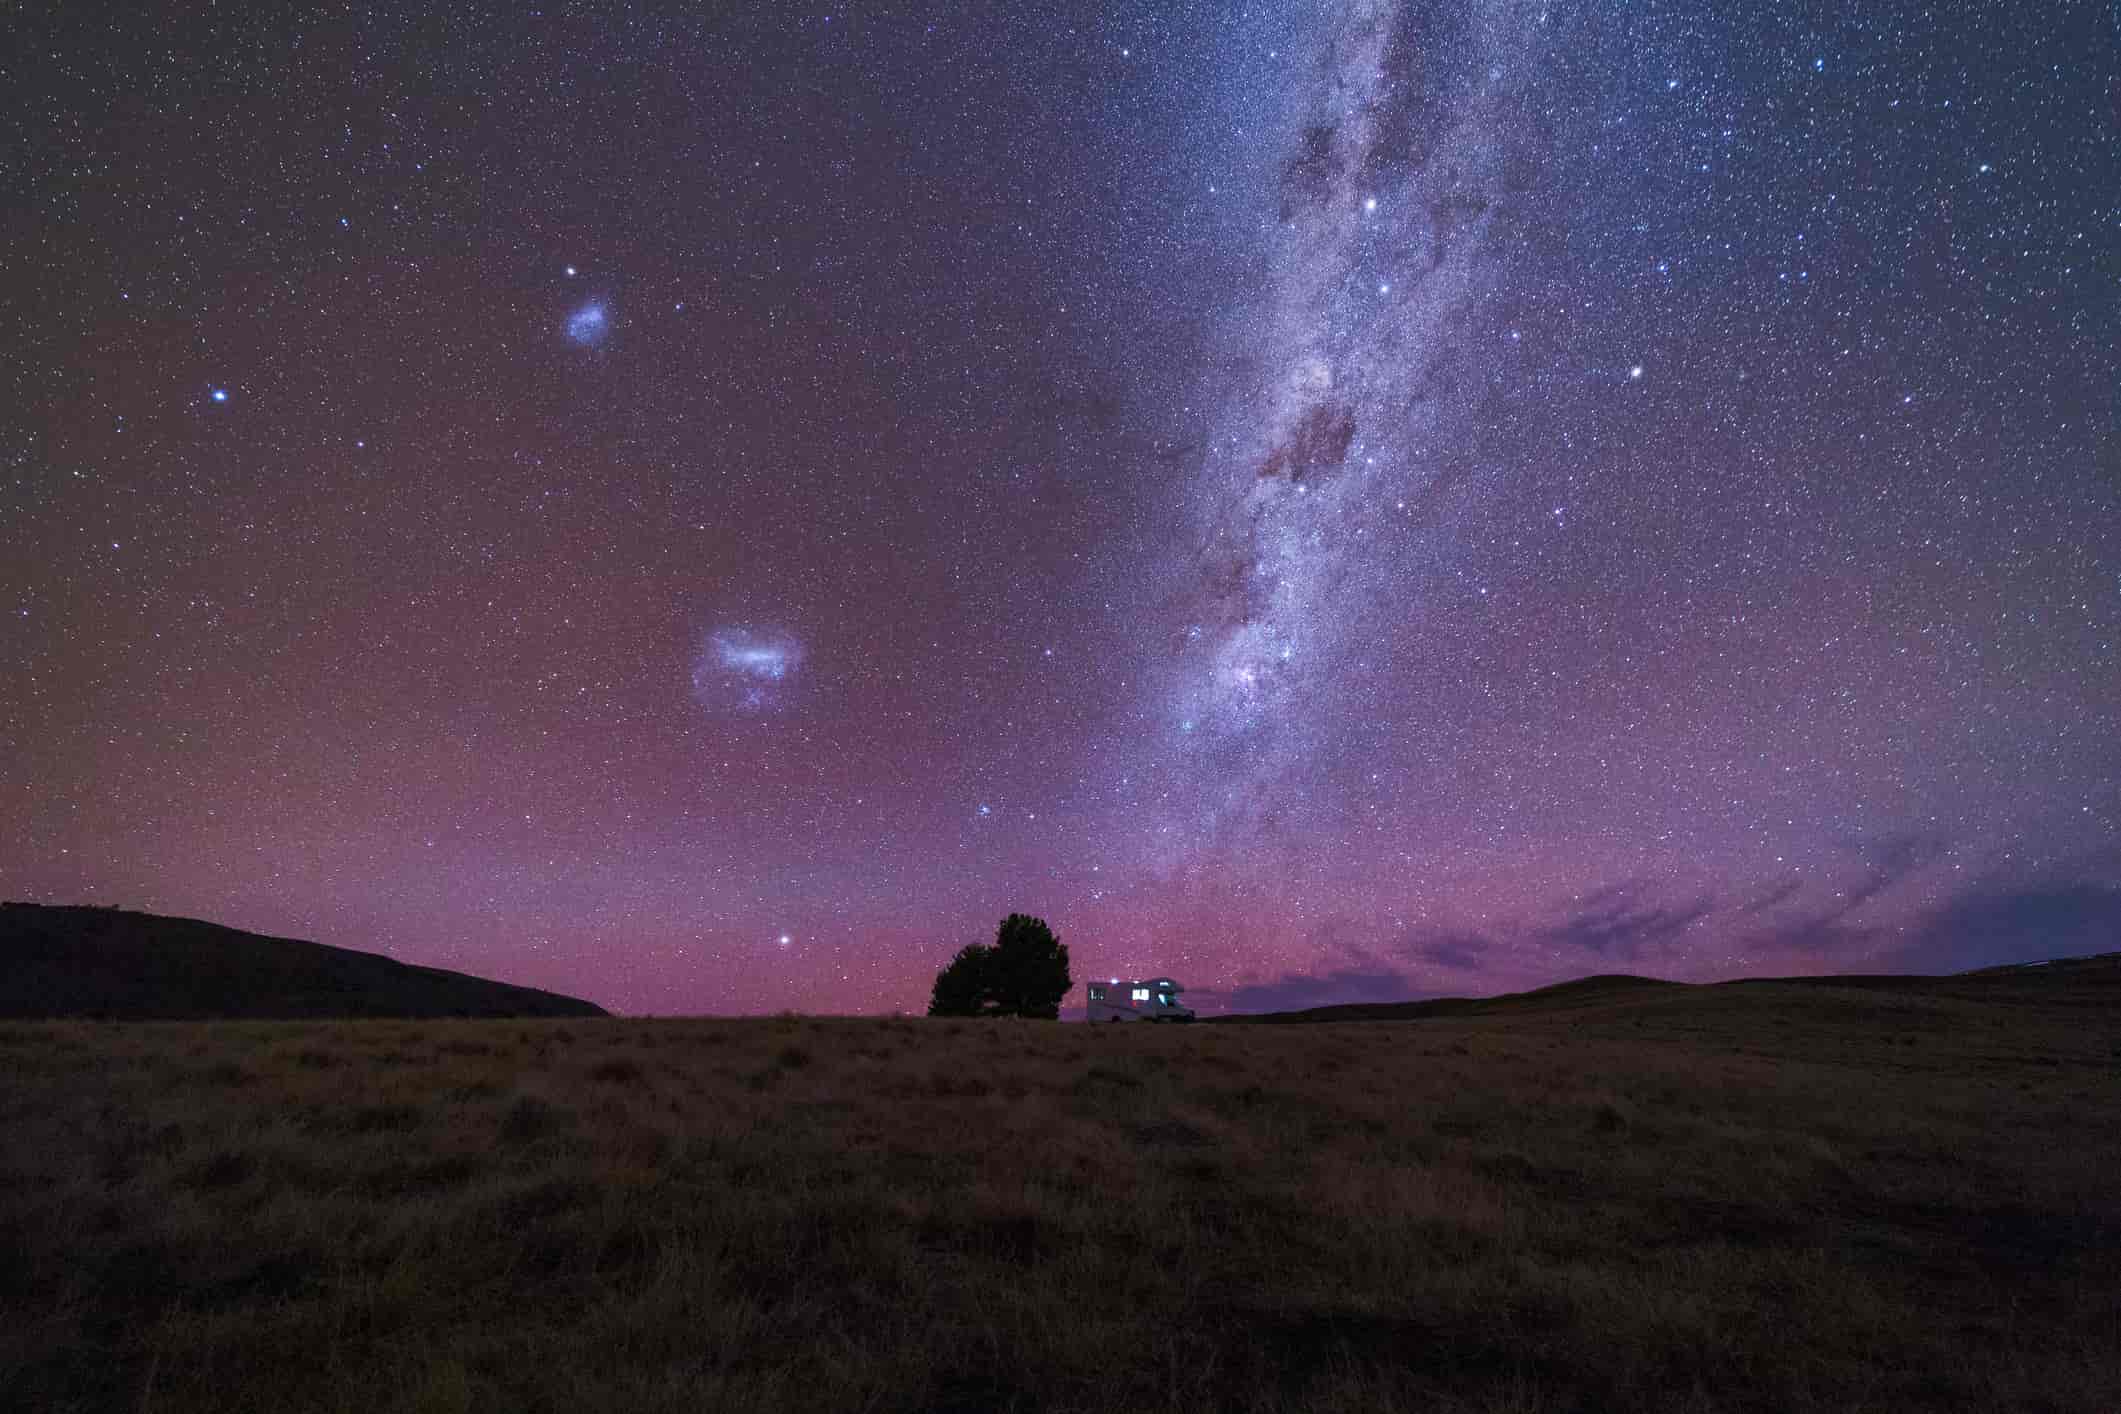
(1141,994)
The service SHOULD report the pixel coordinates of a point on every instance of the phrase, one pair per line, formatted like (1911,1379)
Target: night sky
(1329,502)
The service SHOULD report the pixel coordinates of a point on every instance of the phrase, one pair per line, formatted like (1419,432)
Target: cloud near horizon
(1994,921)
(1295,991)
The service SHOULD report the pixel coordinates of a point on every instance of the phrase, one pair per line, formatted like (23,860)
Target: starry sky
(706,508)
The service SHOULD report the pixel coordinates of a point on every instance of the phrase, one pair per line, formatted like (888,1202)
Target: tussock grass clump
(1672,1202)
(619,1071)
(529,1117)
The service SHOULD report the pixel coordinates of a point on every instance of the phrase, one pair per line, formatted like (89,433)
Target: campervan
(1153,1000)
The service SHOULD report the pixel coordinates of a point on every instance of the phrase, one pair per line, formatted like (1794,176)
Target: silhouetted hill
(116,965)
(2089,980)
(2093,980)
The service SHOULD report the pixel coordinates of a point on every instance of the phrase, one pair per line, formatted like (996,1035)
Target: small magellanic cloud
(590,324)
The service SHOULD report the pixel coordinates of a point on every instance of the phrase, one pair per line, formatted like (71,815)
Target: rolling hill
(111,964)
(2095,979)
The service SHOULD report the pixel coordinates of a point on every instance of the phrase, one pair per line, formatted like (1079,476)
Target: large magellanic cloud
(746,670)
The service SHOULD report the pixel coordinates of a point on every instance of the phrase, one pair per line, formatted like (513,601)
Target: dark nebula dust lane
(1329,501)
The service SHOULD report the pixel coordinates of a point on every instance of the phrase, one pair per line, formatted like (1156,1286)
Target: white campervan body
(1153,1000)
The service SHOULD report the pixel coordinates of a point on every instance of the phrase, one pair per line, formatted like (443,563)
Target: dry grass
(1779,1201)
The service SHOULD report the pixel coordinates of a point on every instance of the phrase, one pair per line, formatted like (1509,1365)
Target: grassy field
(1769,1198)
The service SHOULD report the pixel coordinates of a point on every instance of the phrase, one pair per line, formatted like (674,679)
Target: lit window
(1141,994)
(1097,993)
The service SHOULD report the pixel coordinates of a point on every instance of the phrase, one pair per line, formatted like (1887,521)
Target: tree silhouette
(1024,973)
(1030,969)
(961,988)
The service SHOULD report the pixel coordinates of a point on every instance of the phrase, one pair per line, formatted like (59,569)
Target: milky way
(1324,501)
(1428,350)
(1404,173)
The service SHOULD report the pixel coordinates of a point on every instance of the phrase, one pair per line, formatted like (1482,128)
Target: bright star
(786,940)
(1635,372)
(1369,204)
(220,395)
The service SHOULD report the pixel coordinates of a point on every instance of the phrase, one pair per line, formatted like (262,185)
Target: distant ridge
(2096,979)
(111,964)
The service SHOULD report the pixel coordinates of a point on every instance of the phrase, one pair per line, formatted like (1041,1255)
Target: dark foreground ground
(1772,1198)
